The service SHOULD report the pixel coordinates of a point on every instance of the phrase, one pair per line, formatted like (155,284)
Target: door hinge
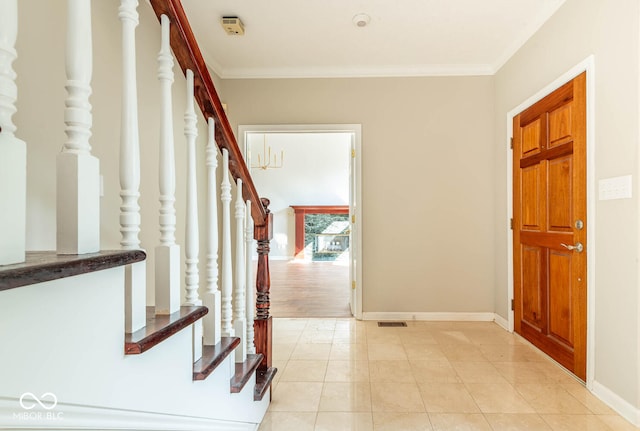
(353,153)
(353,217)
(353,284)
(512,307)
(512,143)
(511,223)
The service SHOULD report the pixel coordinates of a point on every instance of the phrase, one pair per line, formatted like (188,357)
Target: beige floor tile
(463,352)
(424,352)
(386,352)
(396,397)
(507,352)
(332,421)
(282,350)
(450,337)
(348,352)
(321,324)
(316,336)
(583,395)
(427,366)
(618,423)
(447,398)
(284,324)
(304,371)
(346,397)
(491,336)
(554,372)
(288,421)
(347,371)
(434,371)
(355,336)
(521,372)
(550,398)
(286,337)
(389,421)
(296,397)
(311,351)
(576,423)
(498,398)
(459,422)
(391,371)
(478,372)
(516,422)
(417,336)
(383,337)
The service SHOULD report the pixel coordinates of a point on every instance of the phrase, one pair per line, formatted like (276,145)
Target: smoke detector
(361,20)
(232,25)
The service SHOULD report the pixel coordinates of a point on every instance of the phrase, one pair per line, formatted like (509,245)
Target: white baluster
(135,274)
(239,302)
(211,296)
(167,267)
(226,278)
(13,151)
(78,172)
(192,245)
(250,289)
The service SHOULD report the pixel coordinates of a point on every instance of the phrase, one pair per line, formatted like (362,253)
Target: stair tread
(159,327)
(244,371)
(264,377)
(212,356)
(41,266)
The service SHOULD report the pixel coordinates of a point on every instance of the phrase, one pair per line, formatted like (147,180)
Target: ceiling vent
(232,25)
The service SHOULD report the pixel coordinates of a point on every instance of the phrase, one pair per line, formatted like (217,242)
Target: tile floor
(342,374)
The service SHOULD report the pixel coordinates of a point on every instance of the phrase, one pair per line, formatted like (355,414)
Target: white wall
(609,31)
(427,179)
(315,172)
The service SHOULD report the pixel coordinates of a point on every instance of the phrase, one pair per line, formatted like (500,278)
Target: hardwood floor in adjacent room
(302,288)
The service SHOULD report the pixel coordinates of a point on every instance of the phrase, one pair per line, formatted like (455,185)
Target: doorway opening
(306,171)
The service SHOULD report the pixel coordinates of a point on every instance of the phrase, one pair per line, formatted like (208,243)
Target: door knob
(578,247)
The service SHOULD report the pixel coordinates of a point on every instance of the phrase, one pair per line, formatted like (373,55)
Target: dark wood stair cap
(212,356)
(160,327)
(41,266)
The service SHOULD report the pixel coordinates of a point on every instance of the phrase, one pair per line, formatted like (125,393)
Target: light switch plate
(615,188)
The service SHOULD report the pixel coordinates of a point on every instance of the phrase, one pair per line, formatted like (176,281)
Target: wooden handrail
(187,52)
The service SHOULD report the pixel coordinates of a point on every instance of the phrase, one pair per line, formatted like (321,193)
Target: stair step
(244,371)
(263,382)
(212,356)
(160,327)
(41,266)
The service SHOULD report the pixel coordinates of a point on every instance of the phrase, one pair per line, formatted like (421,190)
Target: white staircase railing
(239,303)
(226,278)
(167,260)
(229,299)
(192,242)
(135,274)
(211,296)
(13,151)
(78,172)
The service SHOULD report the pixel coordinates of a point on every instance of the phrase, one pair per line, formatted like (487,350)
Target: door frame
(587,65)
(355,178)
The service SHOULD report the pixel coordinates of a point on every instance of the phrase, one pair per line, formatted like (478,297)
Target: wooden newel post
(262,322)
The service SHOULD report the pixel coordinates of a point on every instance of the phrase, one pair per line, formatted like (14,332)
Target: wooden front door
(549,225)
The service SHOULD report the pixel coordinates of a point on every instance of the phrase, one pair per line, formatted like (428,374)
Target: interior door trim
(586,65)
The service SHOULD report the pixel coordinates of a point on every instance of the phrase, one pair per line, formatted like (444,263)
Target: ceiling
(317,38)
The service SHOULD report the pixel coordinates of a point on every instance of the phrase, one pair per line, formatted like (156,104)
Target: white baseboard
(504,323)
(430,316)
(72,416)
(613,400)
